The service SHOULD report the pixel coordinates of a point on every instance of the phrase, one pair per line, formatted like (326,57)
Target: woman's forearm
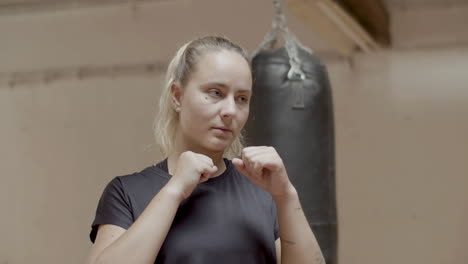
(143,240)
(298,242)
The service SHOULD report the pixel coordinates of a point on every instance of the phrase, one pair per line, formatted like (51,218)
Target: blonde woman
(198,205)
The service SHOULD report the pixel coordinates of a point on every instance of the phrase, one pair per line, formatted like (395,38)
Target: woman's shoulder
(149,177)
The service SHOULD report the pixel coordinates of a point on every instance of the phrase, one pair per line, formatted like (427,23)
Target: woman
(197,206)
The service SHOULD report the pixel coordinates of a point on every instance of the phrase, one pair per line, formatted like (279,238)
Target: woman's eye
(244,99)
(214,92)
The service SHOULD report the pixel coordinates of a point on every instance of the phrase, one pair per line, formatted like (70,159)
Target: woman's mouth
(223,130)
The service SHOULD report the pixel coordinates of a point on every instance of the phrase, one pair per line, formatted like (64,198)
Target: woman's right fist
(191,169)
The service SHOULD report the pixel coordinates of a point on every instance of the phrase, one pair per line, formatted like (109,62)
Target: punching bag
(291,109)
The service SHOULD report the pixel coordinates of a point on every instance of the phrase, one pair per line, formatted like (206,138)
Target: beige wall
(61,144)
(402,156)
(401,126)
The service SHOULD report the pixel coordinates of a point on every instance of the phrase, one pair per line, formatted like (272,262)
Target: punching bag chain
(279,21)
(295,73)
(291,42)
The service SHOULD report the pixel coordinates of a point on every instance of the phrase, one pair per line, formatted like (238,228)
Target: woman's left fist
(264,167)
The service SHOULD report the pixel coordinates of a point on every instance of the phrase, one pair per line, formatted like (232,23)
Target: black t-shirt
(226,219)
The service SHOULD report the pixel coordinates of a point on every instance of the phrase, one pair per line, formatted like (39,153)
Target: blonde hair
(182,65)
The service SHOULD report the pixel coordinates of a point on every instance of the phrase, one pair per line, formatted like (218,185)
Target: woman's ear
(176,92)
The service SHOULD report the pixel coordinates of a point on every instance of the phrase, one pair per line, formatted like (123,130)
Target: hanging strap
(295,73)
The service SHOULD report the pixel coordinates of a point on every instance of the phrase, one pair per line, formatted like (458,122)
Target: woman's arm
(264,167)
(142,241)
(298,243)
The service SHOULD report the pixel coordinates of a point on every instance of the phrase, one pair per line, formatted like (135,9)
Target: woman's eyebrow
(220,84)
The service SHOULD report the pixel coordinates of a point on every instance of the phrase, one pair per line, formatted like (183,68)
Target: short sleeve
(113,208)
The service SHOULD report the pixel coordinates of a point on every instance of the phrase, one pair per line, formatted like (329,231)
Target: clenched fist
(191,169)
(264,167)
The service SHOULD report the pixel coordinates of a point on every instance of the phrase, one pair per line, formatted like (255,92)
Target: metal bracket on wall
(8,7)
(50,75)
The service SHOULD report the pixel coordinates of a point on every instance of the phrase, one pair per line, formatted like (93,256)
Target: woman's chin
(218,145)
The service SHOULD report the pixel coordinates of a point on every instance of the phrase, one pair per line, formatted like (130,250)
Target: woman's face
(214,105)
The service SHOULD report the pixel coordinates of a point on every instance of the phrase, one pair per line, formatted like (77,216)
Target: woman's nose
(229,107)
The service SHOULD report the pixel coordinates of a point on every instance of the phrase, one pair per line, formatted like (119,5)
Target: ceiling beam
(373,16)
(334,25)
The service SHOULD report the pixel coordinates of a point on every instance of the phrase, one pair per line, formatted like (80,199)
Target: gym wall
(401,146)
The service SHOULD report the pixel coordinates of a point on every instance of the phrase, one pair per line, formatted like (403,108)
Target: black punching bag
(294,114)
